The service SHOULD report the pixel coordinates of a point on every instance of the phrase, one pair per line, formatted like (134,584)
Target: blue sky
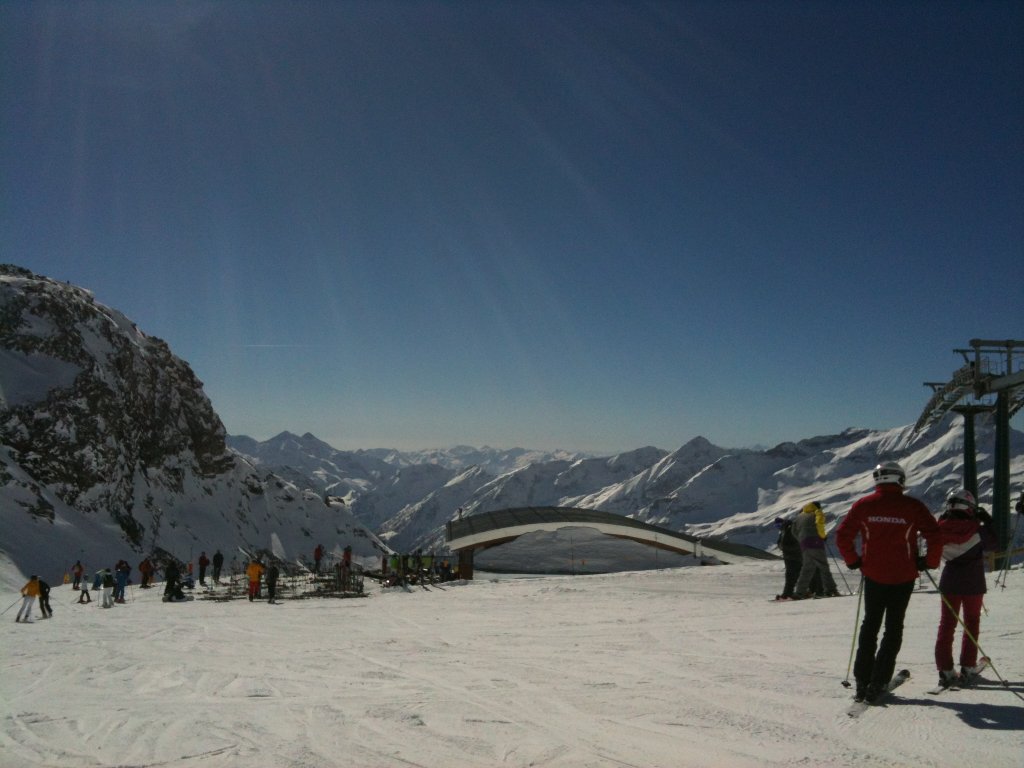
(593,226)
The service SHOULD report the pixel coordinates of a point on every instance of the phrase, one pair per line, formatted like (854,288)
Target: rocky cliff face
(131,411)
(102,422)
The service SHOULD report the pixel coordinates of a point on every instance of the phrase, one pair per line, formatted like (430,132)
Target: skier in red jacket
(204,563)
(888,524)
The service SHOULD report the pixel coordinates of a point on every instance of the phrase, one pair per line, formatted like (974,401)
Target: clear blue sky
(584,225)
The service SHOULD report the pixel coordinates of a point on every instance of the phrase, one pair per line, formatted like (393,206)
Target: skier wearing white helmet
(888,524)
(966,533)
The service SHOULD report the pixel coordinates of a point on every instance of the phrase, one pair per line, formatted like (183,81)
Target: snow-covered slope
(681,668)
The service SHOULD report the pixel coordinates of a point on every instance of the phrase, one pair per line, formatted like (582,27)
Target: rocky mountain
(109,447)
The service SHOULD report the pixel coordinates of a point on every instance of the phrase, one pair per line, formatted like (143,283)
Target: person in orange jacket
(29,593)
(253,572)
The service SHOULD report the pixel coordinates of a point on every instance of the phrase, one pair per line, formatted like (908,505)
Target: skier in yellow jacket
(29,594)
(809,529)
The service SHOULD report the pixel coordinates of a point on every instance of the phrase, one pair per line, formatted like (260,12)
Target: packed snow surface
(681,667)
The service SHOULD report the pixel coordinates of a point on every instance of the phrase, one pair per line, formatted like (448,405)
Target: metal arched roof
(487,529)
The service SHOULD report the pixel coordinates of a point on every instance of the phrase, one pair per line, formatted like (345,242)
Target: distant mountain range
(109,448)
(700,488)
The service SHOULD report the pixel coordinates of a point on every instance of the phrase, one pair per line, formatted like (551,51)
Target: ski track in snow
(685,667)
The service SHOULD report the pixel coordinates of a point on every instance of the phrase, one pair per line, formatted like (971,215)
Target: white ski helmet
(889,472)
(961,499)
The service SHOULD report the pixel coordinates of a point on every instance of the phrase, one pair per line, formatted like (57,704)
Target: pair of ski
(964,681)
(859,707)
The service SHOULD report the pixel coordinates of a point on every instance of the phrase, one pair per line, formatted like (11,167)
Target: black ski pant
(886,602)
(793,566)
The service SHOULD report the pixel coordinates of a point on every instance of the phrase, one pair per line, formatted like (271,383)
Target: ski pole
(841,574)
(1012,541)
(970,635)
(853,640)
(5,610)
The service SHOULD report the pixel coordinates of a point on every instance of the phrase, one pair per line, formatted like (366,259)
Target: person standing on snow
(146,573)
(792,556)
(272,574)
(45,611)
(966,533)
(888,523)
(809,530)
(108,589)
(253,573)
(218,563)
(121,572)
(346,567)
(204,562)
(29,593)
(76,571)
(83,595)
(318,554)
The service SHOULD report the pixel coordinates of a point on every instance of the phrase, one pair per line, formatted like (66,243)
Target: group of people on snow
(879,537)
(35,589)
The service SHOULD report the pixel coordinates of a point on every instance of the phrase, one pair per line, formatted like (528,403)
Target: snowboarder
(272,574)
(966,532)
(218,563)
(318,554)
(888,523)
(29,593)
(809,530)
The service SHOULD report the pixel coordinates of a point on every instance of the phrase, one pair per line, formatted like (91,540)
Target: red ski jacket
(888,524)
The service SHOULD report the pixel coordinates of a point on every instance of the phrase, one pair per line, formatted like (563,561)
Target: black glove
(922,563)
(983,515)
(855,565)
